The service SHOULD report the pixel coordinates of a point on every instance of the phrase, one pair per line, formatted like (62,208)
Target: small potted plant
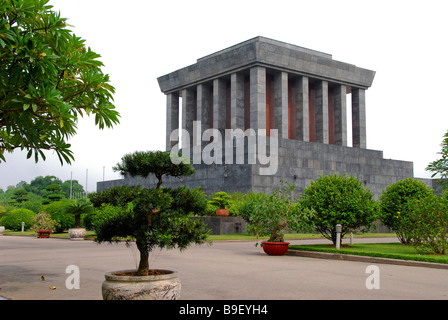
(221,199)
(43,225)
(152,217)
(78,208)
(269,215)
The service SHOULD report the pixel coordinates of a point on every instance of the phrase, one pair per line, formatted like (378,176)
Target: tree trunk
(143,266)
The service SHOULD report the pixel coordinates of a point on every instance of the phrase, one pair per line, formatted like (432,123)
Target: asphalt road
(232,270)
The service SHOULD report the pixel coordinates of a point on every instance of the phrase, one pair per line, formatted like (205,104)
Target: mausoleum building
(292,102)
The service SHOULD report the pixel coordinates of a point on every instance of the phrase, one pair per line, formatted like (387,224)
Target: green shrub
(43,221)
(393,201)
(426,223)
(271,214)
(340,200)
(14,218)
(56,211)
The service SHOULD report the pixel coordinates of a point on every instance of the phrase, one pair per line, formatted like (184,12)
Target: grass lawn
(383,250)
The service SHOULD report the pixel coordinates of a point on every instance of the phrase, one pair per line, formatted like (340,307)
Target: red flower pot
(44,233)
(222,212)
(275,248)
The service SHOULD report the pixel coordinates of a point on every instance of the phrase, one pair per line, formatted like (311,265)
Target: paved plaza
(227,270)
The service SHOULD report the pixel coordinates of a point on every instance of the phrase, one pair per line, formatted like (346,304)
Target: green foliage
(426,223)
(48,79)
(20,195)
(56,211)
(270,214)
(393,201)
(78,208)
(99,215)
(341,200)
(13,219)
(159,163)
(53,192)
(39,184)
(220,199)
(43,221)
(116,196)
(440,167)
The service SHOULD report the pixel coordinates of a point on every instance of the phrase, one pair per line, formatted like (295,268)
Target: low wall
(224,225)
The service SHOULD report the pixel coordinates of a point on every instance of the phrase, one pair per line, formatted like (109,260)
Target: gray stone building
(290,105)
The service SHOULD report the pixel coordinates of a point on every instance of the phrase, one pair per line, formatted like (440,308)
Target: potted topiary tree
(271,214)
(152,217)
(221,199)
(77,208)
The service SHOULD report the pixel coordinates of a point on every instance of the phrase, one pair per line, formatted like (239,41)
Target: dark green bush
(426,223)
(14,218)
(56,211)
(393,201)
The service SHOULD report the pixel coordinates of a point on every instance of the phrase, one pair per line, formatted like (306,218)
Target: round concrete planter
(121,286)
(275,248)
(77,233)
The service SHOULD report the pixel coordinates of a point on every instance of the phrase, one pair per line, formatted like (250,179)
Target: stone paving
(227,270)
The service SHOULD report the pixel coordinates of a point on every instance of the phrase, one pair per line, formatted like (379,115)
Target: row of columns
(297,106)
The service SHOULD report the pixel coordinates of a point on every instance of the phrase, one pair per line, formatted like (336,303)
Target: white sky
(140,40)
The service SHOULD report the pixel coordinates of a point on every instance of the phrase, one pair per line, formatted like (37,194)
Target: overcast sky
(140,40)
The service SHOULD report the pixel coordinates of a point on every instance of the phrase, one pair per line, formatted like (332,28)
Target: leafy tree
(48,79)
(156,217)
(159,163)
(440,167)
(77,209)
(20,195)
(75,187)
(393,201)
(53,192)
(56,211)
(39,184)
(341,200)
(426,223)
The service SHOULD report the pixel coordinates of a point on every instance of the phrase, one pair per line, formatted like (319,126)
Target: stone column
(359,118)
(202,115)
(258,98)
(237,101)
(219,105)
(172,118)
(281,104)
(203,106)
(302,109)
(340,115)
(322,112)
(188,111)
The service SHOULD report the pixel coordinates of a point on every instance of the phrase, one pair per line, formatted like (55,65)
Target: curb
(348,257)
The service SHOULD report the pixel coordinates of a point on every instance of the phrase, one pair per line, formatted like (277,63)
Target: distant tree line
(40,191)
